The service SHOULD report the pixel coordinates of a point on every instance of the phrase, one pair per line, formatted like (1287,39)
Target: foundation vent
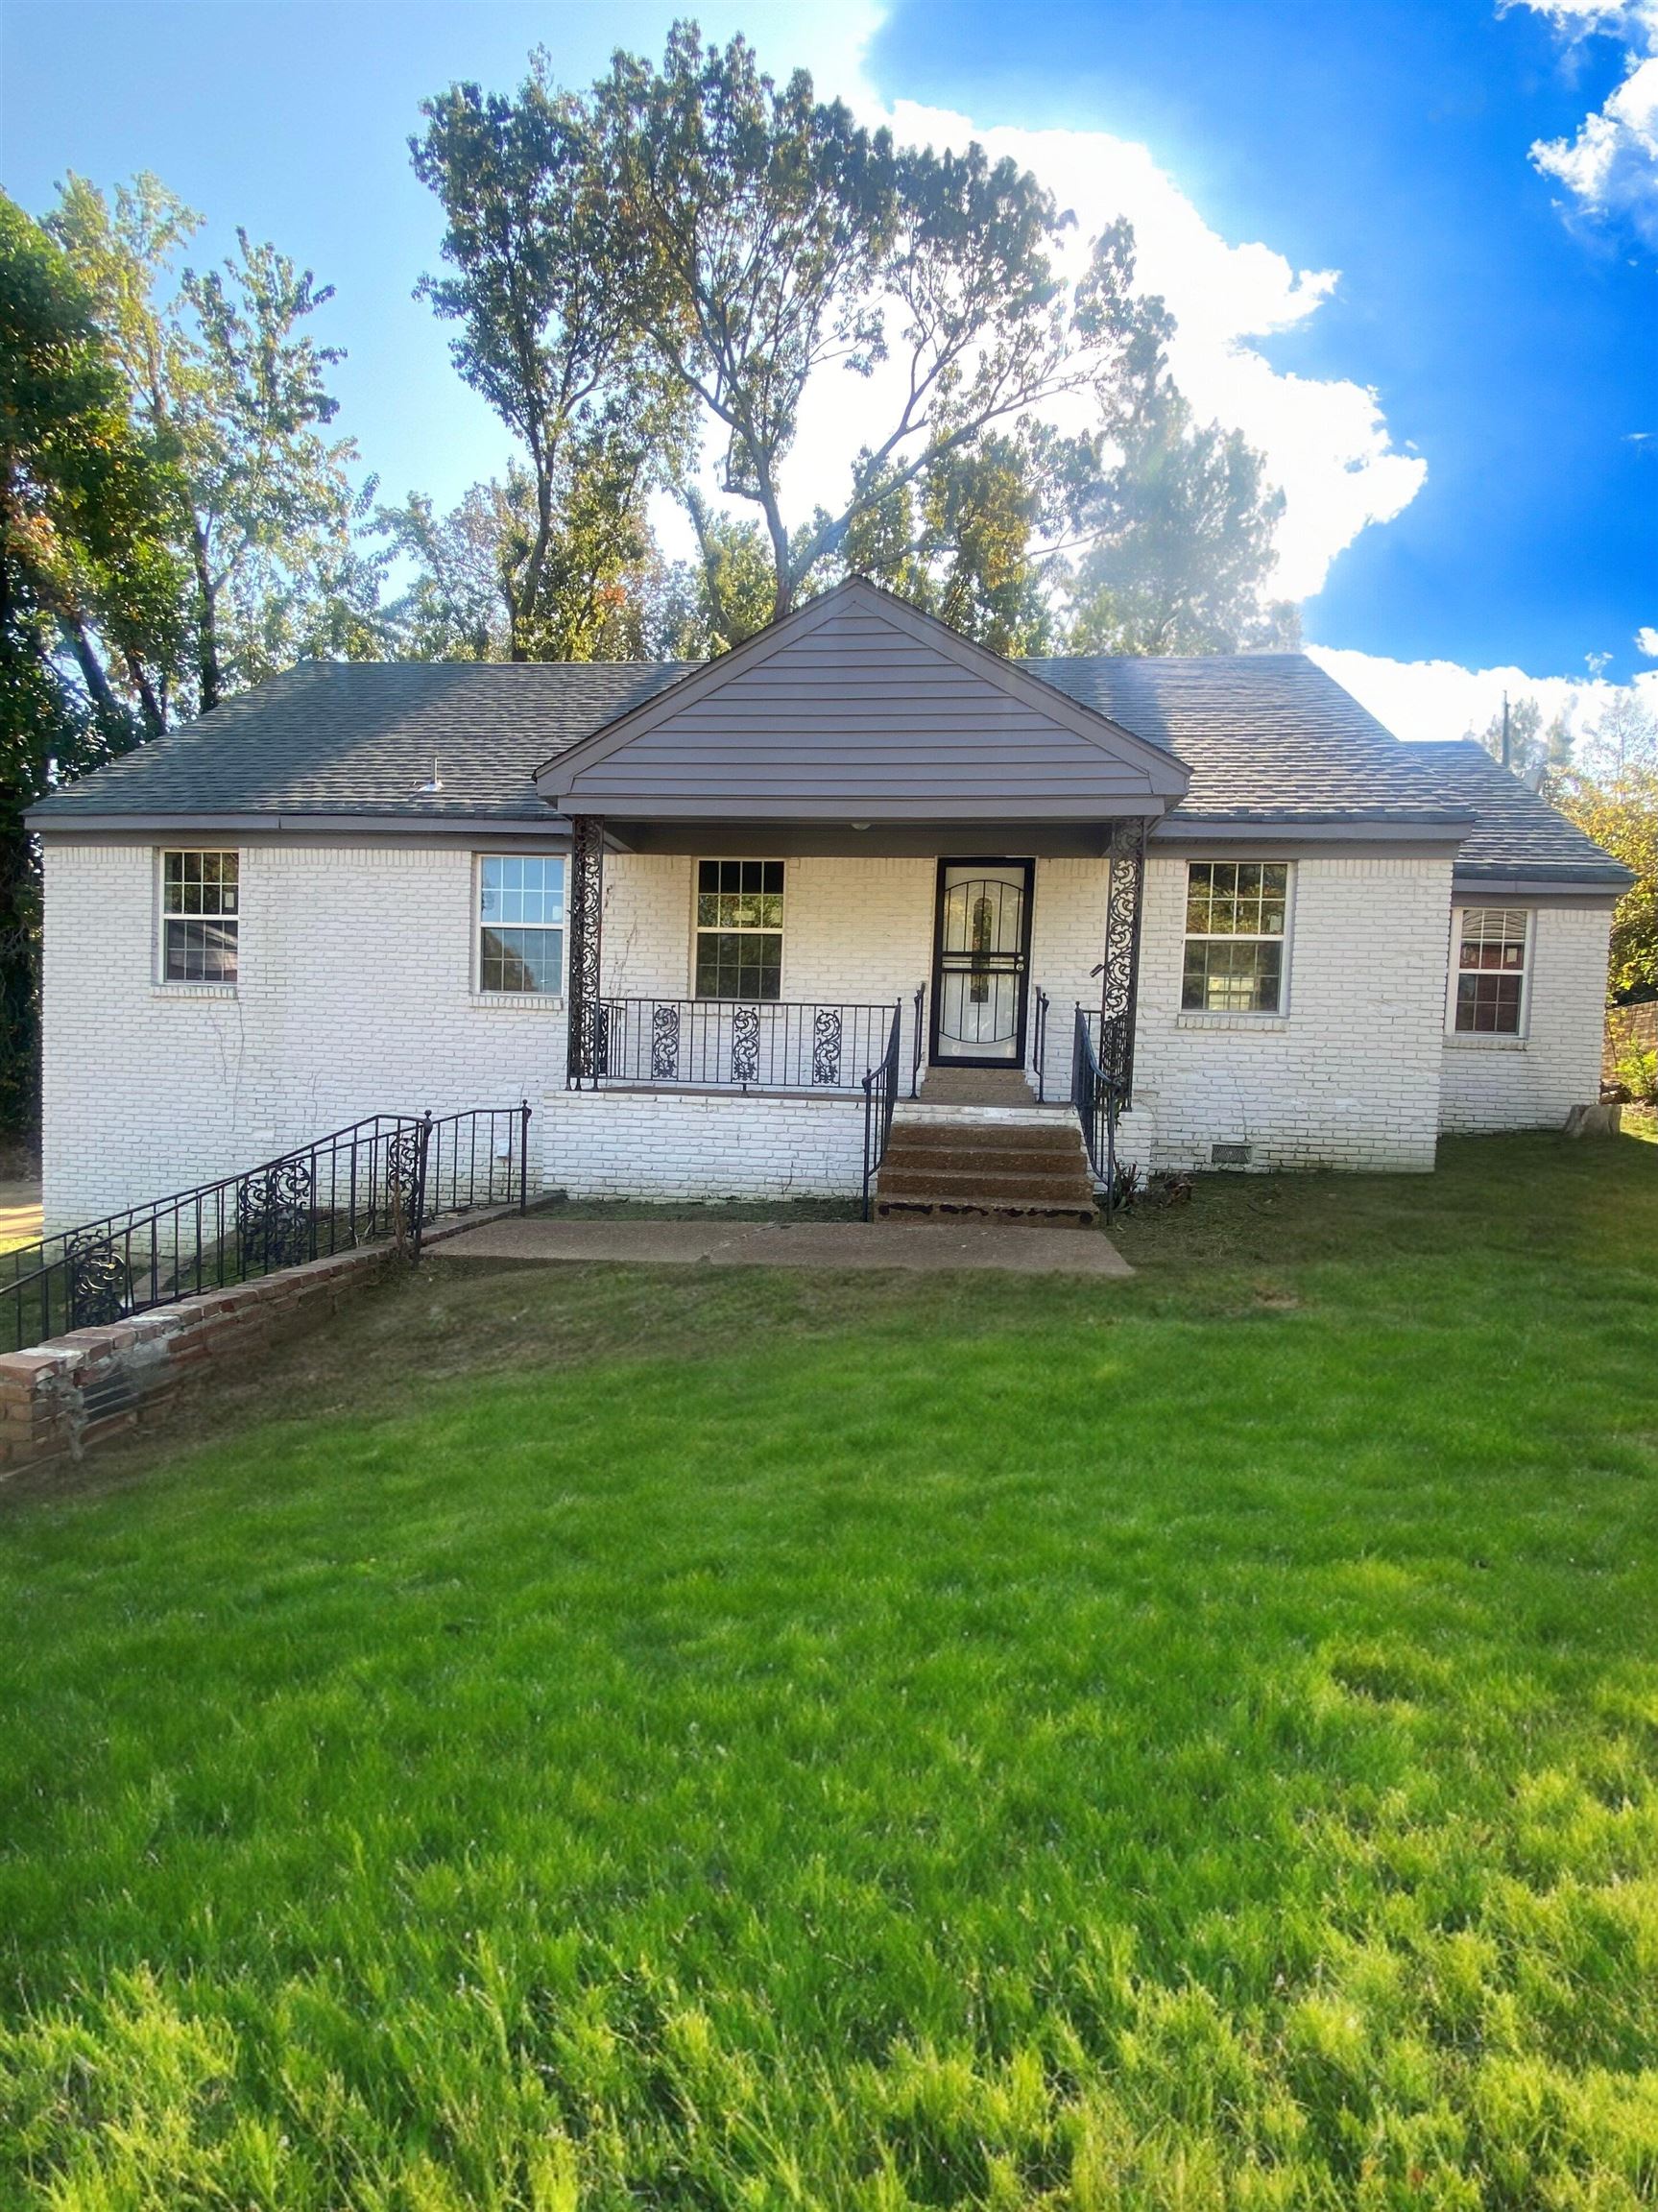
(1229,1155)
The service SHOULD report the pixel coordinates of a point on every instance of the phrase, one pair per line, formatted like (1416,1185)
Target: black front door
(981,962)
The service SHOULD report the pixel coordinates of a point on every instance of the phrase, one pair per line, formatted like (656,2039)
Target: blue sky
(1505,328)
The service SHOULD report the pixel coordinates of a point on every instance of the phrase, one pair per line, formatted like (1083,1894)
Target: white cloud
(1326,440)
(1647,642)
(1438,699)
(1610,167)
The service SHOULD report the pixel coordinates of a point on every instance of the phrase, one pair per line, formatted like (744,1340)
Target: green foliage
(1533,752)
(224,374)
(1637,1073)
(455,606)
(956,541)
(1620,813)
(749,224)
(708,605)
(86,578)
(1182,526)
(548,339)
(765,1740)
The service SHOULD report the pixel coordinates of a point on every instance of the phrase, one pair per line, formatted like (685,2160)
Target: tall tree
(87,582)
(1517,736)
(1611,790)
(548,339)
(222,372)
(956,541)
(456,606)
(1183,528)
(707,606)
(763,237)
(598,570)
(1624,737)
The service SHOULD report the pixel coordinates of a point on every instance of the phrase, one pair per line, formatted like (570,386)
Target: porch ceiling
(859,709)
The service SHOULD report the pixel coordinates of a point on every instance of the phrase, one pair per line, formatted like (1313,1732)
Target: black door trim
(981,860)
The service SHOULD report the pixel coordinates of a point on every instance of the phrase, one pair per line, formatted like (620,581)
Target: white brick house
(681,910)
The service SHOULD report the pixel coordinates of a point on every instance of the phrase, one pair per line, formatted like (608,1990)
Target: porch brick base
(702,1144)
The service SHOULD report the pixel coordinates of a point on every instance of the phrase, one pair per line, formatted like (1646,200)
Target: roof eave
(205,821)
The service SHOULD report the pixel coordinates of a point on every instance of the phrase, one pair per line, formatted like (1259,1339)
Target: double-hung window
(739,951)
(1490,944)
(200,917)
(521,922)
(1237,913)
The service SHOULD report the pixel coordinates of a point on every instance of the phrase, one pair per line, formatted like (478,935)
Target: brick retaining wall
(63,1396)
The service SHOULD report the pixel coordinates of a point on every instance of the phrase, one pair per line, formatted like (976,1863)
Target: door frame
(981,860)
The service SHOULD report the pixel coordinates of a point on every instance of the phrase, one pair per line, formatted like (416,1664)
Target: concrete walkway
(930,1247)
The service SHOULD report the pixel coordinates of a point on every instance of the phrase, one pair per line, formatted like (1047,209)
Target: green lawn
(744,1740)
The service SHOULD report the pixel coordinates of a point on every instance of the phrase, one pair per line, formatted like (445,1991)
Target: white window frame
(492,994)
(224,986)
(1284,938)
(731,860)
(1454,970)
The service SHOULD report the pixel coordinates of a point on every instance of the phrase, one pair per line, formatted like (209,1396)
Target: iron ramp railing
(382,1179)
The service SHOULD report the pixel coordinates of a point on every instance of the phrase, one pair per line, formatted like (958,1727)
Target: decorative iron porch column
(586,1020)
(1119,981)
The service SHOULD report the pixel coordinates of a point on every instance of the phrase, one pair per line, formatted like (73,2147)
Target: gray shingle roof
(332,737)
(1515,833)
(1264,735)
(1268,737)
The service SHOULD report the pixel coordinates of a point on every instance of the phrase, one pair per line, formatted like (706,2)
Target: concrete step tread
(1043,1190)
(998,1160)
(989,1135)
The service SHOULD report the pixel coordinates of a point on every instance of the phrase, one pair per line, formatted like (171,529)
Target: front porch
(855,855)
(676,1096)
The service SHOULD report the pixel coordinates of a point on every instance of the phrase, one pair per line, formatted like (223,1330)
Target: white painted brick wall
(1348,1077)
(854,930)
(354,997)
(1532,1082)
(703,1144)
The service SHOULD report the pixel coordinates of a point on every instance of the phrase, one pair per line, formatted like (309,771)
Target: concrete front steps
(1026,1169)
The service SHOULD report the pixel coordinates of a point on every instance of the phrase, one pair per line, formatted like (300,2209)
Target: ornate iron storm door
(981,962)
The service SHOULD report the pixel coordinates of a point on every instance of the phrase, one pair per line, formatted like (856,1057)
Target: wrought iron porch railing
(742,1045)
(1099,1091)
(879,1098)
(381,1180)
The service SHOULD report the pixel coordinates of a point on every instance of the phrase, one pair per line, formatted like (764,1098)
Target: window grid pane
(1235,913)
(739,921)
(1490,971)
(200,951)
(521,923)
(198,908)
(199,882)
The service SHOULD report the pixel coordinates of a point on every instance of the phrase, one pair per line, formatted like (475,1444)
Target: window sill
(519,1001)
(192,990)
(1192,1019)
(1476,1041)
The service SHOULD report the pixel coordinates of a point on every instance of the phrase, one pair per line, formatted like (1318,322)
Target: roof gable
(857,705)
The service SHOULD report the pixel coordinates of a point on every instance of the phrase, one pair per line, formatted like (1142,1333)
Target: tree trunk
(208,675)
(538,560)
(149,705)
(105,705)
